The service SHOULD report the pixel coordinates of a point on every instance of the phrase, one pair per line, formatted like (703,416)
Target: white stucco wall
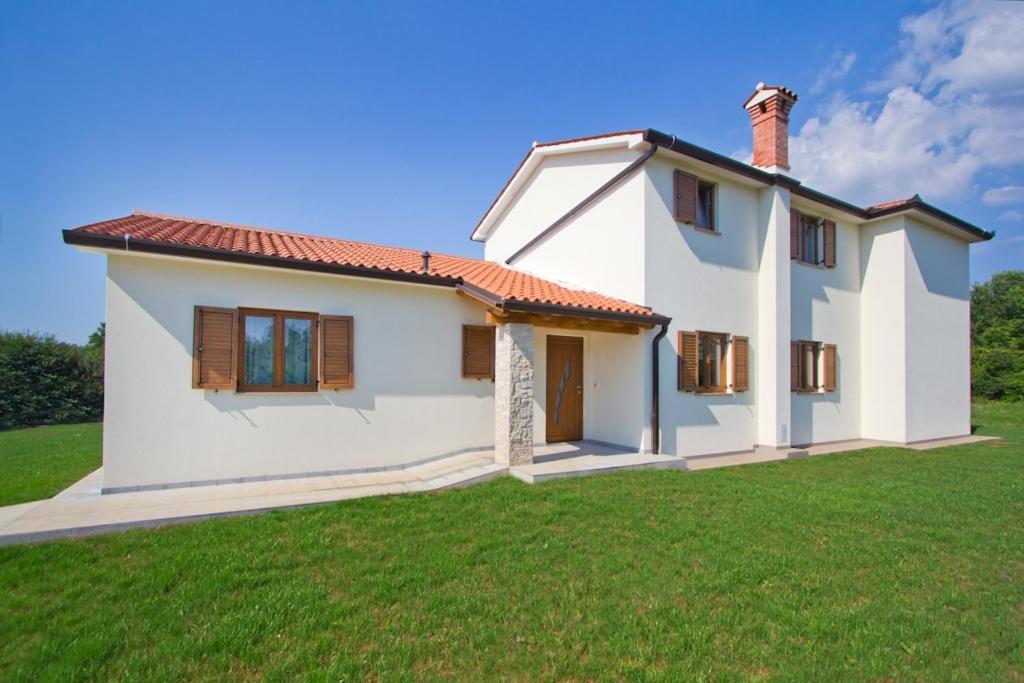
(704,282)
(826,307)
(915,332)
(938,340)
(883,330)
(410,401)
(601,249)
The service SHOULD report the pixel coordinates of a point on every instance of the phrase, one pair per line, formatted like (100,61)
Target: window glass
(809,366)
(810,237)
(710,350)
(705,206)
(298,337)
(259,349)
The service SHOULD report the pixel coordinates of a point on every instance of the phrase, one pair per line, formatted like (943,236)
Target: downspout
(590,199)
(655,425)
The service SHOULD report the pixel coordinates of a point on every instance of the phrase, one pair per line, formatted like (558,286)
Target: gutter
(590,199)
(655,393)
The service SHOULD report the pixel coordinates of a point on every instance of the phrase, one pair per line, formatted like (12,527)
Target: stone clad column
(513,394)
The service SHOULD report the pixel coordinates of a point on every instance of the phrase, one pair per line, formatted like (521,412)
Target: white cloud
(950,105)
(1011,216)
(1009,194)
(836,70)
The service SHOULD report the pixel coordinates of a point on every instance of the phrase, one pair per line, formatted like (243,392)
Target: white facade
(895,305)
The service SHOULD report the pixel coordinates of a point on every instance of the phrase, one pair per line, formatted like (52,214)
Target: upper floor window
(694,201)
(705,206)
(812,240)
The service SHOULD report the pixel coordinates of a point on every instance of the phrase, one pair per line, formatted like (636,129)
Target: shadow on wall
(945,260)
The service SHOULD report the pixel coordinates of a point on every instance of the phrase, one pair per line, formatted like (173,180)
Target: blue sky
(399,123)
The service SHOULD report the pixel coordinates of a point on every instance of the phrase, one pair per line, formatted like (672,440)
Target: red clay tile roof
(894,203)
(502,283)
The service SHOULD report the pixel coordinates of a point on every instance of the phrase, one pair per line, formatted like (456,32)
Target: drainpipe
(655,426)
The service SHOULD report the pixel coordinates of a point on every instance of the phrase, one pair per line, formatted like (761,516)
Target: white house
(636,290)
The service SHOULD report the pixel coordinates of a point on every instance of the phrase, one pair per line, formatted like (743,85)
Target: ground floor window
(813,366)
(277,350)
(711,361)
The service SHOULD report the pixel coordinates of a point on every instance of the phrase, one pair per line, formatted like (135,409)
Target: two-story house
(636,290)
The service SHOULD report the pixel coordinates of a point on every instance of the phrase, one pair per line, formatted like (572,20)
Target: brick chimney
(769,115)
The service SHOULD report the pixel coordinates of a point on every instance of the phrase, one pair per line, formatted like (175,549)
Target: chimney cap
(763,92)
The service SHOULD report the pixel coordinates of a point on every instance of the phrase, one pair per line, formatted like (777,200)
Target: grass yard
(881,564)
(39,462)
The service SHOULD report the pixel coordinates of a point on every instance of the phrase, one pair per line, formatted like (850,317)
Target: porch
(582,458)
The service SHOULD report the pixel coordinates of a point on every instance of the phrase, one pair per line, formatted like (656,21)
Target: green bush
(44,381)
(997,337)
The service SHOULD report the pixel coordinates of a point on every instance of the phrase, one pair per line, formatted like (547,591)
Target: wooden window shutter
(829,228)
(478,351)
(213,351)
(687,361)
(740,364)
(830,367)
(794,366)
(794,234)
(686,197)
(336,352)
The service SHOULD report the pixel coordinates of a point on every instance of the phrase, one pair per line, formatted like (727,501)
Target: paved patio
(81,510)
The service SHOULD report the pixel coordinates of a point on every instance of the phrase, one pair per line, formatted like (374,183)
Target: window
(711,361)
(812,240)
(809,228)
(705,206)
(702,362)
(812,366)
(277,350)
(694,201)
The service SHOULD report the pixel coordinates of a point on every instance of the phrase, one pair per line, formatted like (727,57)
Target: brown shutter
(686,197)
(794,366)
(213,351)
(830,367)
(336,352)
(740,364)
(687,361)
(794,234)
(829,228)
(478,351)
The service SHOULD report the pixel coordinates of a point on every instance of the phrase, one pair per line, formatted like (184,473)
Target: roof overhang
(489,299)
(916,205)
(502,306)
(532,161)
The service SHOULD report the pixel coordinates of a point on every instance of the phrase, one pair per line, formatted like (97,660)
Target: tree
(44,381)
(997,336)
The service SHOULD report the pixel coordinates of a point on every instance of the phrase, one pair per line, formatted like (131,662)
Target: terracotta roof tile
(503,283)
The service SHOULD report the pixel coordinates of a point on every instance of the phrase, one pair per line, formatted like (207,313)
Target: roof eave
(188,251)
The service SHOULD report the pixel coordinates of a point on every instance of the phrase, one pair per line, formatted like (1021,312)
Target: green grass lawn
(880,564)
(39,462)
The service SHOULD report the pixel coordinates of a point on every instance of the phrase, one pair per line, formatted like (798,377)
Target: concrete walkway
(81,510)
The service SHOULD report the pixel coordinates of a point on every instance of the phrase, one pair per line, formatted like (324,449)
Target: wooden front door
(565,389)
